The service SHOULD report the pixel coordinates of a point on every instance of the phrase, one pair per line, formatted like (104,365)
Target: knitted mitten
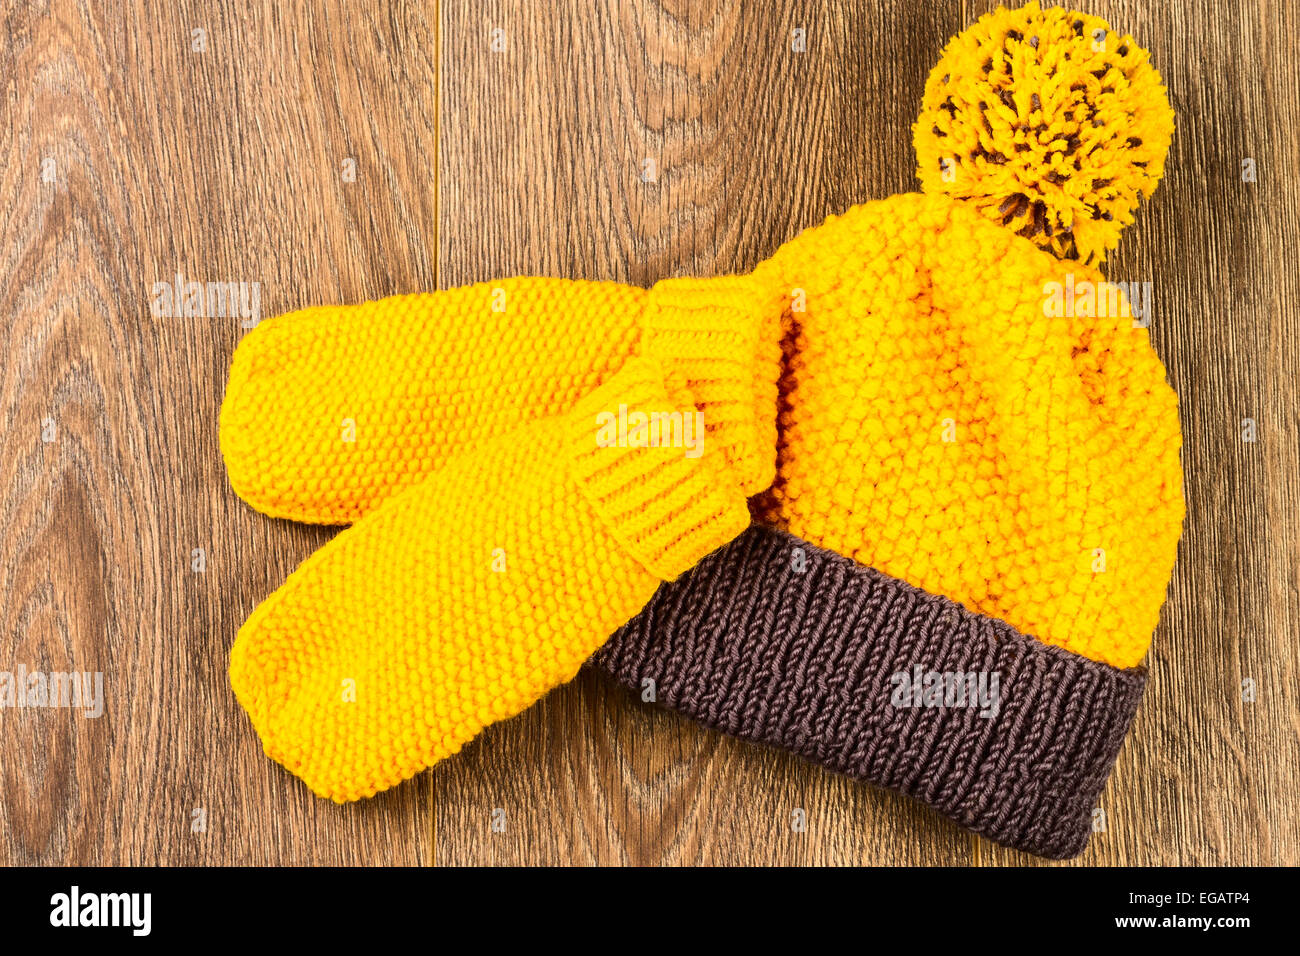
(463,599)
(332,410)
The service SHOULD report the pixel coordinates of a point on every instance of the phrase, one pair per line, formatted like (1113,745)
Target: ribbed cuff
(825,662)
(646,465)
(724,336)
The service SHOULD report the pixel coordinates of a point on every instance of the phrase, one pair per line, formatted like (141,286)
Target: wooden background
(225,164)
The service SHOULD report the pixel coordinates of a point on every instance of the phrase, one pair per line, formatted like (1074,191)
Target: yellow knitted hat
(965,412)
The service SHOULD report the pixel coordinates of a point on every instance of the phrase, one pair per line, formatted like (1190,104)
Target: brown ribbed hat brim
(810,660)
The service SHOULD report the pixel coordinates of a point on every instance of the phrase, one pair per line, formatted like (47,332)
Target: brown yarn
(803,660)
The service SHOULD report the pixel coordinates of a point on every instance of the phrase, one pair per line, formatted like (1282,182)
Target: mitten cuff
(723,335)
(645,461)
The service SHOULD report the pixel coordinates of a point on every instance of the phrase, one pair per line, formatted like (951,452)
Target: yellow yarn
(942,425)
(464,599)
(332,410)
(1050,123)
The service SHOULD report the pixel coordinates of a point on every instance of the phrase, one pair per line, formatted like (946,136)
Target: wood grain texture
(226,164)
(223,165)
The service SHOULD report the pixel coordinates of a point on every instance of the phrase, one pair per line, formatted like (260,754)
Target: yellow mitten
(464,599)
(334,409)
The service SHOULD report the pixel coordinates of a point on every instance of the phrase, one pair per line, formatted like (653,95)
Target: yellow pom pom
(1050,123)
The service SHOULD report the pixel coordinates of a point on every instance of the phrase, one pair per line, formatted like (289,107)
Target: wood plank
(222,164)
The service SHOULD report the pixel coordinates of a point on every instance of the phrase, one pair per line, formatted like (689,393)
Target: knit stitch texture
(774,641)
(464,599)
